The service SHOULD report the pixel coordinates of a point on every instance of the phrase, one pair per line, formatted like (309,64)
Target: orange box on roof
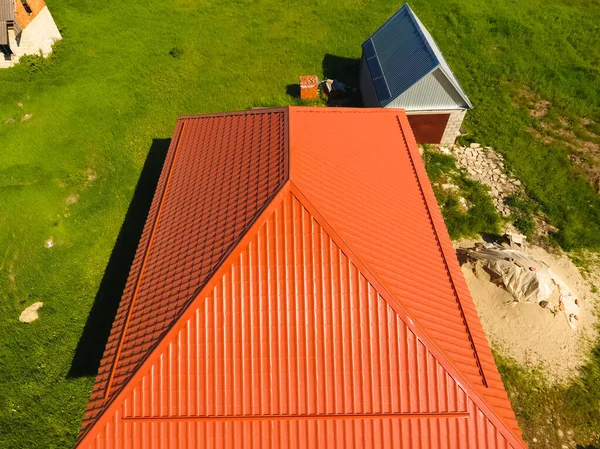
(295,286)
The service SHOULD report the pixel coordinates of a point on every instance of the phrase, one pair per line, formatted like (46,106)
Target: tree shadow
(347,71)
(589,446)
(95,334)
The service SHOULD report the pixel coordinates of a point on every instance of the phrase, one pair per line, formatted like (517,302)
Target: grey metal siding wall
(17,28)
(367,90)
(3,33)
(442,61)
(7,10)
(432,92)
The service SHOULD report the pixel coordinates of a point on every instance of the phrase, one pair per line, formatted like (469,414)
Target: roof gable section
(402,54)
(293,328)
(433,91)
(220,173)
(291,342)
(445,67)
(405,52)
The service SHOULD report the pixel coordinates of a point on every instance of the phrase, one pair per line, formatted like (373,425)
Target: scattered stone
(445,150)
(19,104)
(50,243)
(72,199)
(560,433)
(534,439)
(9,120)
(26,117)
(30,313)
(487,167)
(449,187)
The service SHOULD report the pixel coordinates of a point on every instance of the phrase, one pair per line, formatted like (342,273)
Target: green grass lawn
(126,70)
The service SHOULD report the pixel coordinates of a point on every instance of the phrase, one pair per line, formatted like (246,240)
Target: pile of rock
(486,166)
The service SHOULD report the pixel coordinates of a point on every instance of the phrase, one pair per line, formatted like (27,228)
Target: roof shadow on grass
(347,71)
(97,328)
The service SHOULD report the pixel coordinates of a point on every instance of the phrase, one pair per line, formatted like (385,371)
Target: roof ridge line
(415,21)
(303,416)
(399,309)
(256,222)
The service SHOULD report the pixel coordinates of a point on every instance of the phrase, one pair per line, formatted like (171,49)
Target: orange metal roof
(315,305)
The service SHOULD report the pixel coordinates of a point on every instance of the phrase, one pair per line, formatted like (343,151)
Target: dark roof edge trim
(242,112)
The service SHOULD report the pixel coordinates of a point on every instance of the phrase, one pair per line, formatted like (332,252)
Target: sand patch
(91,175)
(529,333)
(72,199)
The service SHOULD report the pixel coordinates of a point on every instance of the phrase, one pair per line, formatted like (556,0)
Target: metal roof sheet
(7,10)
(3,33)
(401,52)
(220,172)
(320,326)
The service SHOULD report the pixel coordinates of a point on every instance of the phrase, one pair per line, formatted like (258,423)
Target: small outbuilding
(26,27)
(402,67)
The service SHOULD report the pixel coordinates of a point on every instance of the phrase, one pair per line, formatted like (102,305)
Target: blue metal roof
(400,53)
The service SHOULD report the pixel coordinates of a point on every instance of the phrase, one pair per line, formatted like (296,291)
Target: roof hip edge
(120,395)
(411,324)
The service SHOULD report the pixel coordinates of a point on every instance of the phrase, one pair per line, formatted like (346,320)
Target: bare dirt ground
(528,333)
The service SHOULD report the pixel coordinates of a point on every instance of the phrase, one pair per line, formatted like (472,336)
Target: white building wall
(39,35)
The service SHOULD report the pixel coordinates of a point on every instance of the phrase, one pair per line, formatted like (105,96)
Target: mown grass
(125,71)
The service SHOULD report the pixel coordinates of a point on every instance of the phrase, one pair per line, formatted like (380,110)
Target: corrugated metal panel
(373,190)
(3,33)
(432,92)
(17,27)
(7,10)
(443,63)
(294,348)
(406,53)
(219,174)
(367,91)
